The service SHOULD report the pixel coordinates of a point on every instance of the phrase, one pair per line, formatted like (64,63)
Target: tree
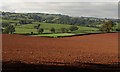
(37,27)
(73,28)
(25,21)
(32,33)
(52,30)
(35,17)
(40,30)
(107,26)
(15,24)
(10,29)
(64,30)
(5,24)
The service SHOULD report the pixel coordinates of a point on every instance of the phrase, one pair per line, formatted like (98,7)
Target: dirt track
(97,48)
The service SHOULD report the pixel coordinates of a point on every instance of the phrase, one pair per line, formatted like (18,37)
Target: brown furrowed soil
(96,48)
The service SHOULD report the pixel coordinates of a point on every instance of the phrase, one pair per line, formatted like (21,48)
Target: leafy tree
(15,24)
(64,30)
(118,30)
(10,29)
(40,30)
(5,24)
(25,21)
(107,27)
(37,27)
(52,30)
(73,28)
(36,17)
(32,33)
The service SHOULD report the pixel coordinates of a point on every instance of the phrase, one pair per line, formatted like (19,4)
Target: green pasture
(28,28)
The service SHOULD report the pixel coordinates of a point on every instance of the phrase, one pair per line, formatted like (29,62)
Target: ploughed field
(95,48)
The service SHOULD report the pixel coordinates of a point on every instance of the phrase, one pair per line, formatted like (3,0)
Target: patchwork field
(28,28)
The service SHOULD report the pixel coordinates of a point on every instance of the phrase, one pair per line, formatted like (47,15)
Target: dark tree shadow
(18,66)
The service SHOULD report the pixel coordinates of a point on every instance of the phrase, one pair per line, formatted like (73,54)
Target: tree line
(53,30)
(27,18)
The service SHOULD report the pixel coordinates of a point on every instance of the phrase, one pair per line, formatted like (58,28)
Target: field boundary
(68,36)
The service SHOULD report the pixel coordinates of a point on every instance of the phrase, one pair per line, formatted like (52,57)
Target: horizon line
(62,14)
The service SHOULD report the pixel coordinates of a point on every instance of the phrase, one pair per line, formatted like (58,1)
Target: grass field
(55,35)
(3,20)
(28,28)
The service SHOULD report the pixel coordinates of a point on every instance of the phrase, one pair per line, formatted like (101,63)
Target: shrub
(52,30)
(32,33)
(73,28)
(40,30)
(64,30)
(107,27)
(9,29)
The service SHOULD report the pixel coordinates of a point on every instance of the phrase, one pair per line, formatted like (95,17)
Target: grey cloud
(88,9)
(99,9)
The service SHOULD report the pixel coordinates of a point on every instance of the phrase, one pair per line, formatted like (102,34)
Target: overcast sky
(94,8)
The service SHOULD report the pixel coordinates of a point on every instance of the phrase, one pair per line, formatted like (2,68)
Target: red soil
(96,48)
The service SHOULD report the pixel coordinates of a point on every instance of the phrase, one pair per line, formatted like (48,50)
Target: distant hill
(56,18)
